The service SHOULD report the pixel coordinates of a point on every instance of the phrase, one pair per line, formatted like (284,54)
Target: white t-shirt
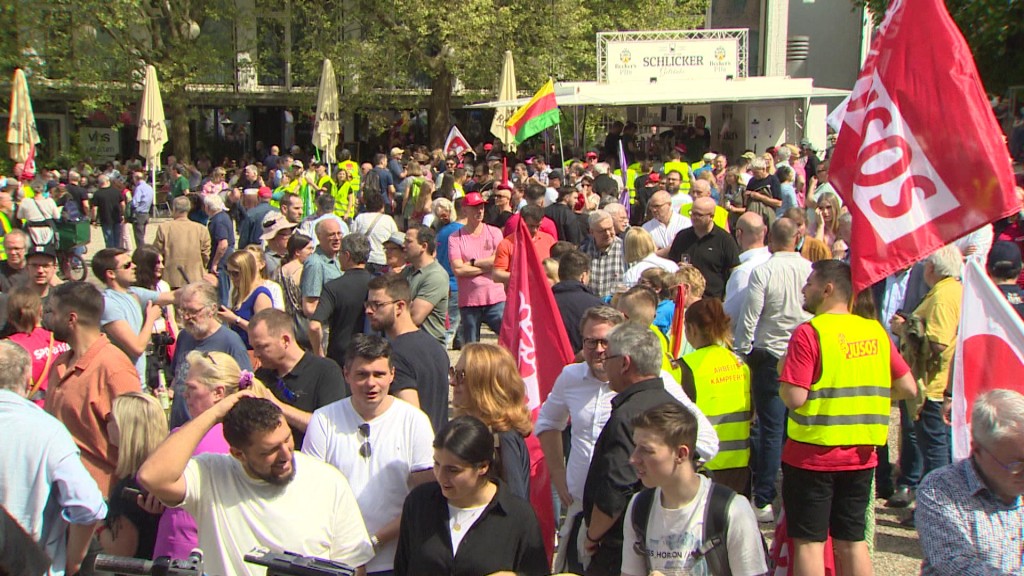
(377,233)
(680,199)
(400,444)
(664,234)
(460,520)
(315,514)
(674,534)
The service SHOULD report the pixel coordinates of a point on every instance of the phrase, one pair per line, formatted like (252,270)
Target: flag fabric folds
(677,330)
(917,111)
(532,330)
(624,197)
(989,350)
(456,143)
(540,113)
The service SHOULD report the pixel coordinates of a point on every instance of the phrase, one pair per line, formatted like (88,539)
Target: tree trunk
(440,105)
(180,129)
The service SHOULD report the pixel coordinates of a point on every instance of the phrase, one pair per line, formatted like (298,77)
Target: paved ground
(897,551)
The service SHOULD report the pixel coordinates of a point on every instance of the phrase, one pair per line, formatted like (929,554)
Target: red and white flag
(456,143)
(920,160)
(989,350)
(532,324)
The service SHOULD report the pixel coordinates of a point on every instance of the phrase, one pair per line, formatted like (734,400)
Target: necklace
(464,517)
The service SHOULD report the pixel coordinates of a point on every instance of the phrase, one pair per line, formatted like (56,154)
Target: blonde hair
(833,201)
(215,369)
(246,280)
(692,278)
(143,427)
(551,269)
(639,245)
(261,264)
(495,391)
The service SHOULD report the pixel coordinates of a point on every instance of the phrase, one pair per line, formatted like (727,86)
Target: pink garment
(36,344)
(478,290)
(176,535)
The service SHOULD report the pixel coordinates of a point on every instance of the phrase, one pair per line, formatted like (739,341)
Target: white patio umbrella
(152,125)
(327,128)
(506,92)
(22,134)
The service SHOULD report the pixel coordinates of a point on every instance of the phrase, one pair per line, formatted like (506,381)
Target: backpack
(371,184)
(714,549)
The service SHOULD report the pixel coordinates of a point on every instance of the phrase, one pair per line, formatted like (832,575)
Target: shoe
(764,514)
(884,492)
(903,497)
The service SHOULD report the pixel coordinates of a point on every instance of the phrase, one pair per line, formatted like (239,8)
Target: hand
(564,496)
(947,411)
(226,315)
(150,504)
(211,279)
(896,324)
(970,250)
(153,313)
(224,406)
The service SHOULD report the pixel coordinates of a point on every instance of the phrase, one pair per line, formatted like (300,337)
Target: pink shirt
(176,535)
(36,345)
(479,290)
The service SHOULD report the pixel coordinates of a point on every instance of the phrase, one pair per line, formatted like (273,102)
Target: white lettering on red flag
(456,143)
(920,159)
(989,351)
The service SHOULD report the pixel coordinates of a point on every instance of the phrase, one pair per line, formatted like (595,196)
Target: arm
(162,474)
(204,248)
(316,338)
(134,344)
(765,199)
(554,455)
(79,538)
(904,387)
(296,418)
(309,305)
(218,253)
(389,531)
(410,395)
(792,396)
(420,309)
(751,313)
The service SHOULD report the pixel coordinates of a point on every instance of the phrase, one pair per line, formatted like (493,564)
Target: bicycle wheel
(76,269)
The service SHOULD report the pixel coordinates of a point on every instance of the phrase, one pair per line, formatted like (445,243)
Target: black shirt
(715,255)
(341,310)
(1014,295)
(769,186)
(505,537)
(313,383)
(9,276)
(566,223)
(78,194)
(573,299)
(611,481)
(108,206)
(421,364)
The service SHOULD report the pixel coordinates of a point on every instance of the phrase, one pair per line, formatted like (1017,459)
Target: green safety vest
(723,394)
(849,404)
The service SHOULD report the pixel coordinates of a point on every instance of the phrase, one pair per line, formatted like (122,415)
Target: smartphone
(131,494)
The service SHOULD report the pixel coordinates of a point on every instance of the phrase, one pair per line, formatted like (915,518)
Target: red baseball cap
(654,178)
(473,199)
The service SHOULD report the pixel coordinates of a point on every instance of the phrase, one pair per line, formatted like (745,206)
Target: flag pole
(561,150)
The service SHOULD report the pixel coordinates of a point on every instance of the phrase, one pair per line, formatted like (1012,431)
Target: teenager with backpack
(683,522)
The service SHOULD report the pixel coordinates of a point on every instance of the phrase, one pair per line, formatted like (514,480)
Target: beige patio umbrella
(152,128)
(327,128)
(22,134)
(506,91)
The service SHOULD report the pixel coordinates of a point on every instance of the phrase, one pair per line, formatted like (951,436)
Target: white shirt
(377,227)
(400,444)
(736,288)
(774,304)
(315,514)
(308,227)
(664,234)
(652,260)
(673,535)
(981,239)
(680,199)
(577,393)
(550,197)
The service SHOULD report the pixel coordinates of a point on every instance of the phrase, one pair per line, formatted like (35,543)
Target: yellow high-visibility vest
(353,171)
(723,394)
(667,363)
(849,404)
(684,172)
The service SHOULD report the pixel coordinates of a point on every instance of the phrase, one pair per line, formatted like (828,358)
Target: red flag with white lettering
(920,160)
(456,143)
(532,324)
(989,351)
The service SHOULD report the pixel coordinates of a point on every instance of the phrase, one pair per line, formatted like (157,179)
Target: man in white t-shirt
(381,444)
(677,535)
(665,222)
(262,494)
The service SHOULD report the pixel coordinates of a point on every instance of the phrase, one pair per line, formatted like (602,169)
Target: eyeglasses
(373,306)
(364,449)
(456,376)
(289,395)
(592,343)
(1014,468)
(191,312)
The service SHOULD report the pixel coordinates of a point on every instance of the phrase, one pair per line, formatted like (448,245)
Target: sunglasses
(364,449)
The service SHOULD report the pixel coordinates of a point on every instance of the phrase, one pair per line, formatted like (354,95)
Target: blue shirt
(221,228)
(965,528)
(223,340)
(142,197)
(442,252)
(317,271)
(128,306)
(788,199)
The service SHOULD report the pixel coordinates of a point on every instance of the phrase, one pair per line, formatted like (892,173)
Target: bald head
(660,206)
(751,230)
(784,235)
(700,189)
(703,215)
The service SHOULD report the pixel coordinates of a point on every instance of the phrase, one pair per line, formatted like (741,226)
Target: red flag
(28,172)
(531,323)
(920,160)
(456,143)
(677,331)
(989,350)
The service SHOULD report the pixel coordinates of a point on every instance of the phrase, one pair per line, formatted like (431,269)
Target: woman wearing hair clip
(212,376)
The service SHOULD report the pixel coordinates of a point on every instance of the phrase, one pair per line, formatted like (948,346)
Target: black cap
(45,250)
(1004,259)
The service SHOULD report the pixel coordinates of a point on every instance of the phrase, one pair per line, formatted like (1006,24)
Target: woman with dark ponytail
(467,523)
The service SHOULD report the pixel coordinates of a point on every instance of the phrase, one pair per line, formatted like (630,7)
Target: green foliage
(994,30)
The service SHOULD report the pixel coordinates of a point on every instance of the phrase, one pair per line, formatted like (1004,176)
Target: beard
(270,478)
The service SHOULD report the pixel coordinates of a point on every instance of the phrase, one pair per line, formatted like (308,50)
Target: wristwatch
(375,542)
(472,261)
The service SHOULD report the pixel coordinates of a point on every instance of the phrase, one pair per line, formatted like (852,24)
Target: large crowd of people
(274,369)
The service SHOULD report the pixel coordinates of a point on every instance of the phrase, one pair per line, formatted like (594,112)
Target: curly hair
(495,391)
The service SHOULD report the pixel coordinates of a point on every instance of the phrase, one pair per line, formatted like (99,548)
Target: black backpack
(714,549)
